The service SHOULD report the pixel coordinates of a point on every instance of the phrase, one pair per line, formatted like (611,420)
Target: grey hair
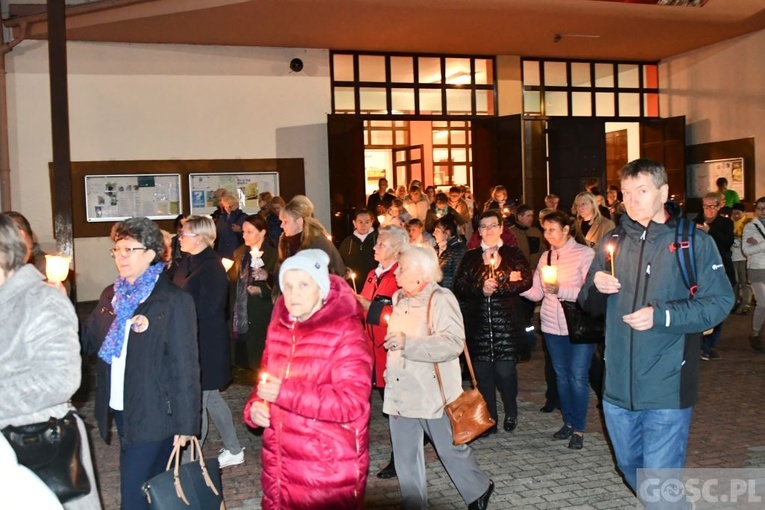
(398,236)
(203,226)
(13,248)
(655,170)
(424,260)
(142,230)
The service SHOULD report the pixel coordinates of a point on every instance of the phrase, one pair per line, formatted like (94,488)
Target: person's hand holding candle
(261,414)
(268,387)
(550,279)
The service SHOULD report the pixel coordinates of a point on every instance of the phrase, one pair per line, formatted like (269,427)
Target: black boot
(388,471)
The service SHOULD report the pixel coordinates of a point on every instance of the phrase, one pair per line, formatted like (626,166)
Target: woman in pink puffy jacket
(312,397)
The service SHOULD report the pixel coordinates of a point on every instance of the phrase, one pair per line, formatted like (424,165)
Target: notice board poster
(245,186)
(110,198)
(702,177)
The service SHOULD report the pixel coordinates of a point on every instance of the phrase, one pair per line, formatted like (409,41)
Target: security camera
(296,65)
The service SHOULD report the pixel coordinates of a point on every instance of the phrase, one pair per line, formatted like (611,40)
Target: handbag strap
(175,461)
(464,350)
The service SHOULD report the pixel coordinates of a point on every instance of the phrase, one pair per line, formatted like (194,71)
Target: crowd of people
(424,275)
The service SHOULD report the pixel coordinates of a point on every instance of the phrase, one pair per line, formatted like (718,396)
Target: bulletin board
(110,198)
(245,186)
(702,177)
(290,181)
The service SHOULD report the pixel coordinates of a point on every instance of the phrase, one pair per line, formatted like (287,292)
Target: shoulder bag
(583,328)
(191,486)
(52,450)
(468,413)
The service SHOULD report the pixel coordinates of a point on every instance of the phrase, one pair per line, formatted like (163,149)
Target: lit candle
(263,377)
(610,248)
(491,265)
(550,274)
(329,236)
(387,319)
(56,268)
(353,279)
(381,219)
(227,263)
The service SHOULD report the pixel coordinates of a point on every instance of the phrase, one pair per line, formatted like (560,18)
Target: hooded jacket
(657,368)
(316,450)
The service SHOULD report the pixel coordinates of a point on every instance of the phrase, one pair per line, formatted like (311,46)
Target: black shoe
(510,424)
(489,432)
(576,442)
(388,471)
(564,433)
(482,503)
(548,407)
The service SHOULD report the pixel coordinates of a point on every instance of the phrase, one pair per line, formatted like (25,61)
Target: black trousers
(551,393)
(502,376)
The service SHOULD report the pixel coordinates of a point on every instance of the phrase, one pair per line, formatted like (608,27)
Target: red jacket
(380,293)
(315,452)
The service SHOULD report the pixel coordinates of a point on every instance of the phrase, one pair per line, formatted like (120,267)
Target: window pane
(371,68)
(440,174)
(458,101)
(604,104)
(629,105)
(604,75)
(651,105)
(483,72)
(459,155)
(430,101)
(531,102)
(459,174)
(555,74)
(581,104)
(484,102)
(458,137)
(343,67)
(402,138)
(344,100)
(430,69)
(556,103)
(401,70)
(441,154)
(458,71)
(531,73)
(373,99)
(580,74)
(403,101)
(381,137)
(651,76)
(628,76)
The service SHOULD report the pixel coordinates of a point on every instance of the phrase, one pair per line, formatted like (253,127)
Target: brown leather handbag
(468,413)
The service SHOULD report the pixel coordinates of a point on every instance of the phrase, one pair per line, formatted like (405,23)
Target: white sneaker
(226,458)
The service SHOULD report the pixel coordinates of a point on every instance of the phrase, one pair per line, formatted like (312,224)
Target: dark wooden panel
(535,154)
(577,151)
(663,140)
(497,156)
(345,138)
(291,181)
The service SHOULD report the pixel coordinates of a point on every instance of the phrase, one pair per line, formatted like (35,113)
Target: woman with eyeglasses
(488,284)
(202,275)
(144,331)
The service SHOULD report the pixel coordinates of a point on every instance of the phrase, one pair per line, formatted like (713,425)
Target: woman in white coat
(412,396)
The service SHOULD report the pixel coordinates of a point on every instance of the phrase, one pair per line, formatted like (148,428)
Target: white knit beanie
(313,262)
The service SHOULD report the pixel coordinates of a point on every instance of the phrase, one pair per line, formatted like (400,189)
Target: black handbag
(583,328)
(52,450)
(191,486)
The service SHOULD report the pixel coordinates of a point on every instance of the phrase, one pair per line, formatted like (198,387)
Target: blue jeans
(650,438)
(572,366)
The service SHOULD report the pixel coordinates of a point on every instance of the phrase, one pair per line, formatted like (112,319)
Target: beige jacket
(598,228)
(411,388)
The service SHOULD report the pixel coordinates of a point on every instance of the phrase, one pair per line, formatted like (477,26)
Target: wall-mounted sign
(245,186)
(110,198)
(702,177)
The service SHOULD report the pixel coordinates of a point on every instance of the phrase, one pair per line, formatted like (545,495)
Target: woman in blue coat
(202,275)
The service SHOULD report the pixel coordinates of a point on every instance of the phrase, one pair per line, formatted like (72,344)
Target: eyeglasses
(126,251)
(760,208)
(710,206)
(189,234)
(493,226)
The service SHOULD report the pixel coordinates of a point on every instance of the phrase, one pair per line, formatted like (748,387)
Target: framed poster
(702,177)
(110,198)
(246,186)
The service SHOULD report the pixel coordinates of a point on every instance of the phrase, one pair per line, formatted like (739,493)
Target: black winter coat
(449,259)
(495,326)
(203,276)
(162,395)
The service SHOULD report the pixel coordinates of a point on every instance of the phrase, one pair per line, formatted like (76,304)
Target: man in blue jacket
(652,324)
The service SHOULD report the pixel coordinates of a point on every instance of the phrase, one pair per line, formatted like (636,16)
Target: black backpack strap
(685,233)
